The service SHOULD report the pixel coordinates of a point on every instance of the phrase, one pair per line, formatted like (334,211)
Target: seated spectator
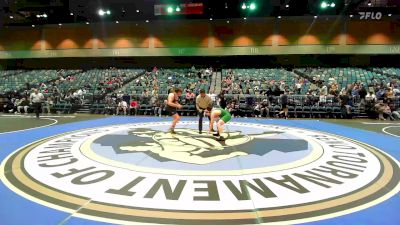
(394,115)
(233,108)
(264,108)
(23,104)
(323,90)
(190,96)
(390,93)
(396,91)
(47,105)
(380,94)
(9,105)
(213,96)
(156,106)
(110,107)
(120,94)
(322,99)
(298,86)
(155,90)
(333,89)
(145,94)
(134,106)
(382,109)
(370,97)
(122,105)
(257,110)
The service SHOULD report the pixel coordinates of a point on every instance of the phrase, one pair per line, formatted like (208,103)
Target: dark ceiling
(25,12)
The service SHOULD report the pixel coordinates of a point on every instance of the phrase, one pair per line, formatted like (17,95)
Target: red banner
(185,9)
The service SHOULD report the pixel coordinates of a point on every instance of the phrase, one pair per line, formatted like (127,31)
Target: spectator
(355,92)
(394,115)
(284,105)
(213,96)
(371,97)
(134,106)
(396,91)
(23,104)
(389,93)
(282,86)
(323,90)
(120,94)
(110,108)
(382,109)
(8,105)
(12,105)
(298,86)
(222,100)
(157,108)
(344,104)
(233,108)
(190,97)
(264,108)
(363,93)
(37,99)
(380,94)
(48,104)
(122,105)
(257,109)
(145,94)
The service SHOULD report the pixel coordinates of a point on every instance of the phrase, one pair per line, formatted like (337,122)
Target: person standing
(202,102)
(222,100)
(37,99)
(284,105)
(172,108)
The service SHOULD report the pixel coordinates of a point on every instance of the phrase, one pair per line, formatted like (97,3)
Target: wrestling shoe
(171,131)
(220,138)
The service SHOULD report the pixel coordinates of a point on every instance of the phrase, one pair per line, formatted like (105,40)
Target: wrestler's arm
(170,101)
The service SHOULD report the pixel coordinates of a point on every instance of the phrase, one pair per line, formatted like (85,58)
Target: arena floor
(94,169)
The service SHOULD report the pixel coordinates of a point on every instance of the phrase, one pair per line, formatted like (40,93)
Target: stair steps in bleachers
(212,84)
(218,81)
(85,108)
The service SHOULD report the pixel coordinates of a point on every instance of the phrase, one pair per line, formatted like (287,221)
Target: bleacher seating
(261,79)
(132,84)
(344,76)
(389,71)
(92,79)
(166,80)
(17,80)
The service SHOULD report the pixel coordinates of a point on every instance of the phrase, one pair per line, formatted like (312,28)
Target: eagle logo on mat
(190,147)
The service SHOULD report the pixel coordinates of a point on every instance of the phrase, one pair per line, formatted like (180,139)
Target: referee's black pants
(201,115)
(37,108)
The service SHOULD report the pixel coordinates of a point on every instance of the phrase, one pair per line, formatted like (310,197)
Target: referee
(202,102)
(36,99)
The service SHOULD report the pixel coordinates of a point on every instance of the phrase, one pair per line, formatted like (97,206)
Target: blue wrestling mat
(128,170)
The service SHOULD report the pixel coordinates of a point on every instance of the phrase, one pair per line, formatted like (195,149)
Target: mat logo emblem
(190,147)
(139,173)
